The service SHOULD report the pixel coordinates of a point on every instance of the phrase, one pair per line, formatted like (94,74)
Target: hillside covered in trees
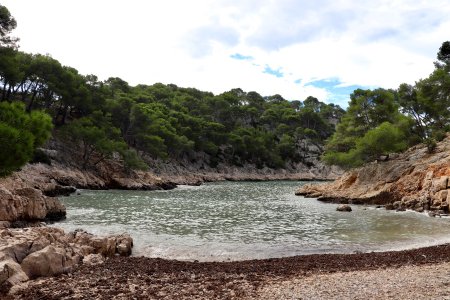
(105,119)
(40,97)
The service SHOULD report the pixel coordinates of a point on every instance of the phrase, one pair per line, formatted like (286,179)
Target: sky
(295,48)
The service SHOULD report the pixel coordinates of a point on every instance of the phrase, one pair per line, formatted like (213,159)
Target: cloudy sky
(323,48)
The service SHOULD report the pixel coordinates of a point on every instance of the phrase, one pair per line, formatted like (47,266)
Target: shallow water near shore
(245,220)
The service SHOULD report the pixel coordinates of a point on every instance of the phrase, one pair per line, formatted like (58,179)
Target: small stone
(93,259)
(389,206)
(344,207)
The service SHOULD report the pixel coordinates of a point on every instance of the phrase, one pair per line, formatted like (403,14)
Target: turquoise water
(245,220)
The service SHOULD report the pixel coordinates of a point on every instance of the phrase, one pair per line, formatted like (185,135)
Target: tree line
(40,97)
(379,122)
(105,119)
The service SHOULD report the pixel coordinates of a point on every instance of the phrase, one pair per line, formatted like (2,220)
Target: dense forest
(110,118)
(40,98)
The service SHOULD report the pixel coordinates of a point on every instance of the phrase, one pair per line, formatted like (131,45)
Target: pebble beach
(410,274)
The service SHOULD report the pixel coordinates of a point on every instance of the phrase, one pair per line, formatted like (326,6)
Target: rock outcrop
(65,172)
(21,202)
(414,180)
(344,207)
(46,251)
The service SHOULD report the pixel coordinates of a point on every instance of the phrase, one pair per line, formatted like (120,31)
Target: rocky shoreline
(415,180)
(34,252)
(28,200)
(147,278)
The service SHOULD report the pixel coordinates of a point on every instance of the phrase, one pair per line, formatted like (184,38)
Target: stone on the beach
(47,251)
(124,245)
(344,207)
(11,272)
(105,246)
(46,262)
(16,249)
(123,249)
(93,259)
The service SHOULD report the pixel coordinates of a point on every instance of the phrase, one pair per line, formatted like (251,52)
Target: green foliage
(20,134)
(382,140)
(372,126)
(112,119)
(427,101)
(132,160)
(382,121)
(443,56)
(7,24)
(99,140)
(159,121)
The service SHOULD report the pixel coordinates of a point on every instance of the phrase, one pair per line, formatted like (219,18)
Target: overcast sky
(323,48)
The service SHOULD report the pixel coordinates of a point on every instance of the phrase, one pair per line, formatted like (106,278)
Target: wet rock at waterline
(344,207)
(28,204)
(45,251)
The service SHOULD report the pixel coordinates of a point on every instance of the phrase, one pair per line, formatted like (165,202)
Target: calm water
(243,220)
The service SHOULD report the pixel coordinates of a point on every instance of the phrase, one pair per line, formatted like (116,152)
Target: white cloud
(189,43)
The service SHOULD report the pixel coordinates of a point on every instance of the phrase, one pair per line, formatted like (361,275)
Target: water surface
(245,220)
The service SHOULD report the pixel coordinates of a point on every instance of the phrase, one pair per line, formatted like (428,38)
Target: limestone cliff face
(414,180)
(65,170)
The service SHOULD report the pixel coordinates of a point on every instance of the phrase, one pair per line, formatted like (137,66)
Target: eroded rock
(46,262)
(48,251)
(415,180)
(28,204)
(11,273)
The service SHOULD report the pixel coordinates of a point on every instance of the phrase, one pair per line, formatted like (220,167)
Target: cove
(245,220)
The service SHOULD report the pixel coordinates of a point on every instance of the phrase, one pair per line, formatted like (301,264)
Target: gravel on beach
(410,274)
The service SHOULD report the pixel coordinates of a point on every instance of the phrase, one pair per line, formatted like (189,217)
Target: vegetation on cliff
(106,119)
(382,121)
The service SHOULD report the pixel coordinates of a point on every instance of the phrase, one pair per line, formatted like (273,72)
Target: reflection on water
(242,220)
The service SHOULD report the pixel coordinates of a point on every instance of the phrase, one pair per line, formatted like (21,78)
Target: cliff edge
(415,180)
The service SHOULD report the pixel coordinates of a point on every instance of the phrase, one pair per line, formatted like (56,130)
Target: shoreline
(155,278)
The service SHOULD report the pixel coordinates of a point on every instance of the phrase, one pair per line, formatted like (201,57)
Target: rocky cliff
(65,170)
(415,180)
(22,202)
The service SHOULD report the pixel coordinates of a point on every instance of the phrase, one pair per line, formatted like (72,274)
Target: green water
(245,220)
